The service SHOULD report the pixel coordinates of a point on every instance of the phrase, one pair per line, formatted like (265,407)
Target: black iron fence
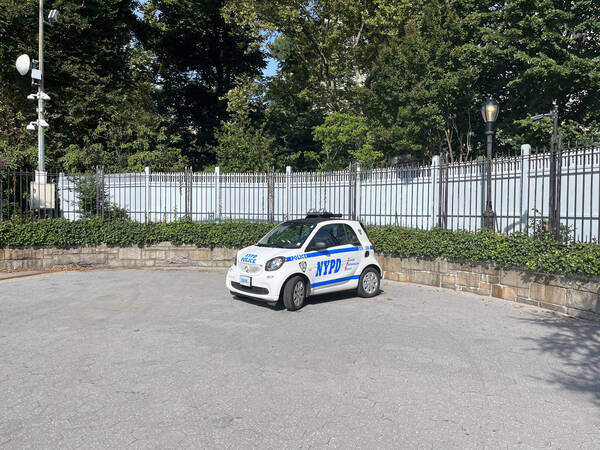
(440,194)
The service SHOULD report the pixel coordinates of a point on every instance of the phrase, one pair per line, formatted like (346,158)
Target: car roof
(315,220)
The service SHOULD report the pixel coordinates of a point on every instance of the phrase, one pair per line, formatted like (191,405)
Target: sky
(271,68)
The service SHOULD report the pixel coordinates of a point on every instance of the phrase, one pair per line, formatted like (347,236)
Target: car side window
(333,235)
(352,237)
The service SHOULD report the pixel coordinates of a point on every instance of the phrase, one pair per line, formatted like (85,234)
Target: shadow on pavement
(312,300)
(577,343)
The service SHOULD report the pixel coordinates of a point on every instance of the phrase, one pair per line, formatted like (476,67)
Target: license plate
(246,281)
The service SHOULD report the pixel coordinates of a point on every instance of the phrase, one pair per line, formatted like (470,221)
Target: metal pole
(41,149)
(553,213)
(489,216)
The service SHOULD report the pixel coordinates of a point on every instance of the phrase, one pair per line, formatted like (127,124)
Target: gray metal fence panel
(416,196)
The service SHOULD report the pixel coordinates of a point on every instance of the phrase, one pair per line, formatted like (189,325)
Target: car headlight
(275,263)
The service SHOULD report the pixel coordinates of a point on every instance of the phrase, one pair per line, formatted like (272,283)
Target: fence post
(270,196)
(147,187)
(435,190)
(217,198)
(525,169)
(100,194)
(356,212)
(288,191)
(1,198)
(188,193)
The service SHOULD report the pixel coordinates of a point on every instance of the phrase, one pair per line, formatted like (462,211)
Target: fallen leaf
(136,329)
(534,310)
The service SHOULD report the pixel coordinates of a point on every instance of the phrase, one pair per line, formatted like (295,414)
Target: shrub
(514,250)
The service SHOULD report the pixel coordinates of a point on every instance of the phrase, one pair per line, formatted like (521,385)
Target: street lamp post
(554,181)
(24,65)
(489,111)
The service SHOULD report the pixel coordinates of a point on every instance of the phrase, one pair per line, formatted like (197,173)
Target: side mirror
(319,245)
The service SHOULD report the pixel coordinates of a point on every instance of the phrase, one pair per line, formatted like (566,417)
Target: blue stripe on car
(326,253)
(336,280)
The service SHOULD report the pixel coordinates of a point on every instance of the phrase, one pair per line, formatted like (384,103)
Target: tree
(426,86)
(545,50)
(345,138)
(15,110)
(333,40)
(241,145)
(196,57)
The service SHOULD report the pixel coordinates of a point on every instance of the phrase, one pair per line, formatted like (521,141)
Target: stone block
(222,253)
(485,287)
(491,279)
(130,253)
(468,279)
(442,265)
(1,254)
(201,254)
(12,264)
(104,250)
(395,264)
(548,294)
(405,277)
(428,278)
(583,300)
(528,301)
(448,281)
(154,255)
(473,290)
(78,260)
(483,269)
(552,307)
(514,278)
(178,256)
(23,253)
(505,292)
(458,267)
(390,276)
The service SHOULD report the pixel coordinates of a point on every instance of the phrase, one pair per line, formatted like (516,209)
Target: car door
(351,259)
(328,254)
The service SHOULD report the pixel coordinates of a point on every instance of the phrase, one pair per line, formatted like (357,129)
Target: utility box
(43,195)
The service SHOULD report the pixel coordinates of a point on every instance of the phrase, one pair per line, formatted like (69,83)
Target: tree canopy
(176,83)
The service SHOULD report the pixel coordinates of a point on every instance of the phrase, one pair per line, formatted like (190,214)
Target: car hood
(260,255)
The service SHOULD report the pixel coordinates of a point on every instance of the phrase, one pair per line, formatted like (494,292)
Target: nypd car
(316,255)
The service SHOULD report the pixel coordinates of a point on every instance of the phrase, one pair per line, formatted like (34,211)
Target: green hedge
(63,233)
(516,250)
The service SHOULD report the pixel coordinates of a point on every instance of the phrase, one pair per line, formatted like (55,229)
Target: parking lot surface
(167,359)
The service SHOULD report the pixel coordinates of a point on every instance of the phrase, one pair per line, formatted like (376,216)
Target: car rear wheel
(294,293)
(368,284)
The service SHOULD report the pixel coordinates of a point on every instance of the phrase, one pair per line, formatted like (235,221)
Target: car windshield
(287,235)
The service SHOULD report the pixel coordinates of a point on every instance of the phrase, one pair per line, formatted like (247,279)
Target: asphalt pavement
(167,359)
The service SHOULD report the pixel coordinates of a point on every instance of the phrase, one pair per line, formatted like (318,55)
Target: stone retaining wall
(565,294)
(569,295)
(160,255)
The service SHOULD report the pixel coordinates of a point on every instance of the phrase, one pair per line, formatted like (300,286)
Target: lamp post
(24,65)
(489,111)
(554,181)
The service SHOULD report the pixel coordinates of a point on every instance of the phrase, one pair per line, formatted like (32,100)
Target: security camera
(43,123)
(53,16)
(538,117)
(32,97)
(45,96)
(31,126)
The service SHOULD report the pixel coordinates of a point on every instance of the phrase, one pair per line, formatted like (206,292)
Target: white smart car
(316,255)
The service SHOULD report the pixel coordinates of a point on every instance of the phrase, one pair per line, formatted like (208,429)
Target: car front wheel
(294,293)
(368,284)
